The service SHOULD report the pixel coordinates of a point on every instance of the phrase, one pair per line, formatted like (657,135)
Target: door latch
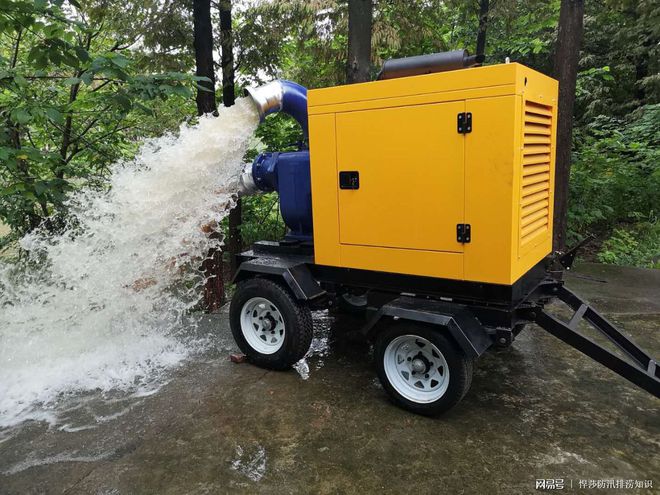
(349,180)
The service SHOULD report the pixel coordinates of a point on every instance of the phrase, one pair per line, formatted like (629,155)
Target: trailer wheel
(273,329)
(421,369)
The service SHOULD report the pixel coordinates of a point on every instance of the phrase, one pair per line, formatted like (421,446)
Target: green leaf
(181,91)
(55,56)
(71,81)
(54,115)
(12,189)
(144,109)
(40,188)
(87,77)
(82,53)
(120,61)
(123,101)
(21,116)
(70,59)
(20,80)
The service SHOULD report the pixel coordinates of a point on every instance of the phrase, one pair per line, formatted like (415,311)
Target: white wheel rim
(416,369)
(262,325)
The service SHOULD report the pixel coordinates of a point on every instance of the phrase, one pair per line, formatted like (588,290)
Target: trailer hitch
(560,261)
(640,369)
(566,259)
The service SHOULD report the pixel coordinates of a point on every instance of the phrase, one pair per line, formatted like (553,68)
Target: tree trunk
(203,44)
(360,13)
(214,289)
(569,39)
(234,240)
(227,48)
(483,24)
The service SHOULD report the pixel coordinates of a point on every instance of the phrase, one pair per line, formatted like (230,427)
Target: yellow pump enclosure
(420,180)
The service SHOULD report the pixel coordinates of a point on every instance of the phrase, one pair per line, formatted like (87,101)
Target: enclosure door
(409,165)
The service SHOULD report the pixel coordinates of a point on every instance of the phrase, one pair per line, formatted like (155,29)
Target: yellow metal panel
(479,77)
(423,99)
(323,168)
(490,159)
(533,234)
(397,136)
(536,86)
(410,161)
(408,261)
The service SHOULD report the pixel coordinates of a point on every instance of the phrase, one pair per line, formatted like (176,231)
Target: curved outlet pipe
(281,96)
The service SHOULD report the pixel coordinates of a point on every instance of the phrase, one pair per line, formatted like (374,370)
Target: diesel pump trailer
(424,200)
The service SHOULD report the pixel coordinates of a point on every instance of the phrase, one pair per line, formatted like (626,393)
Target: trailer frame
(477,316)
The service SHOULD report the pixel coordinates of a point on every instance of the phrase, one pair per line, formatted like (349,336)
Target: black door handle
(349,180)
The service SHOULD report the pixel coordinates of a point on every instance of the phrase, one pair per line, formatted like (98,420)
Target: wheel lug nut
(426,375)
(409,359)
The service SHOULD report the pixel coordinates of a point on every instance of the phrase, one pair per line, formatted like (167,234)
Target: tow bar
(640,369)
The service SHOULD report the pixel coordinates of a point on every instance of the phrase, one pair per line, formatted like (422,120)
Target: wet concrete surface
(536,410)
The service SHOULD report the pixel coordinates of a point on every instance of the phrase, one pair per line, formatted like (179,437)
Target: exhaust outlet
(427,64)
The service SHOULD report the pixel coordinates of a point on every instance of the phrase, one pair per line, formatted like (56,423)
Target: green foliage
(261,219)
(616,172)
(71,104)
(615,182)
(636,246)
(623,37)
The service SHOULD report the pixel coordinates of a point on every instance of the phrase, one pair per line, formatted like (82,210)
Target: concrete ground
(536,410)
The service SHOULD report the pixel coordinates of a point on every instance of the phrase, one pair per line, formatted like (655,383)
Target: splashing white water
(99,307)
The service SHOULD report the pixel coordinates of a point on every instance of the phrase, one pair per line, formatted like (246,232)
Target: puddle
(251,462)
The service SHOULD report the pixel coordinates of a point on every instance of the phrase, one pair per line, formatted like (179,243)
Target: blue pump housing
(288,174)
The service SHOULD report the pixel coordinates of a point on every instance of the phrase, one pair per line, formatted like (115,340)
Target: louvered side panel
(535,197)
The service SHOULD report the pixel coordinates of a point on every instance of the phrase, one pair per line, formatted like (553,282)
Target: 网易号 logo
(550,484)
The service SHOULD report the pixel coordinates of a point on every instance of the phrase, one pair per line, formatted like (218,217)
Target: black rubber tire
(297,320)
(460,367)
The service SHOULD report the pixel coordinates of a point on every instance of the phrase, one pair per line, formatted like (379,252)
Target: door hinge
(464,122)
(463,233)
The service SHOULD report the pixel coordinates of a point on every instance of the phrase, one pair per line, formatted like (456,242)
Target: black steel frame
(476,314)
(640,368)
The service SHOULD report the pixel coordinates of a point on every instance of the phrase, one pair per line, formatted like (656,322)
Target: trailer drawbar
(424,201)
